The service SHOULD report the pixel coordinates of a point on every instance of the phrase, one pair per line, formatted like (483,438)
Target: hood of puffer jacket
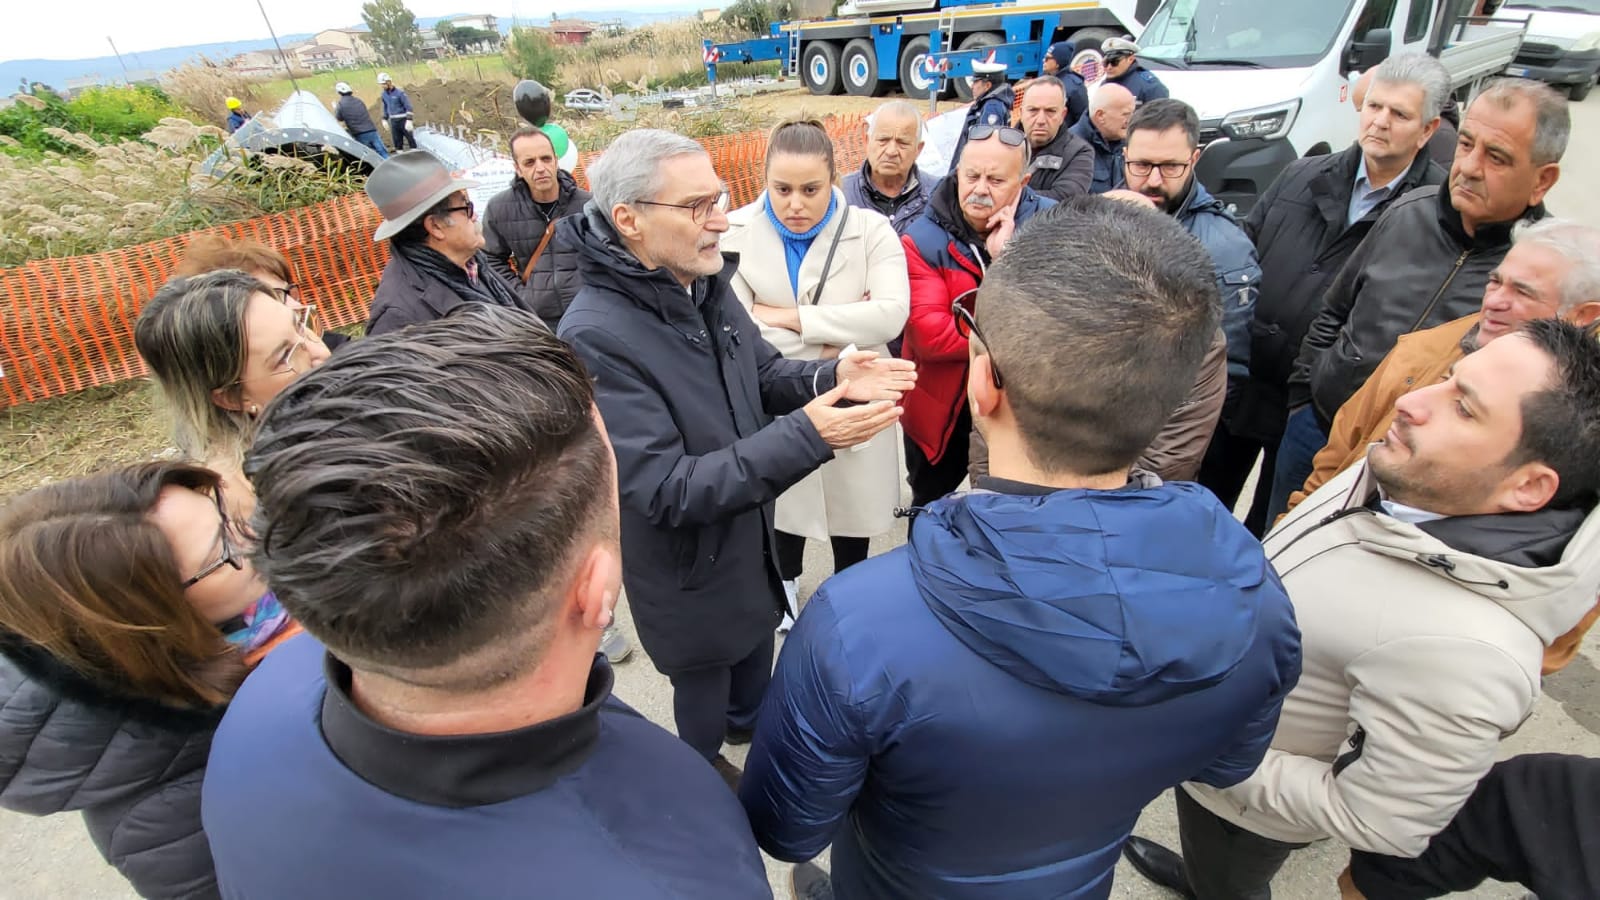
(68,742)
(1122,598)
(1542,567)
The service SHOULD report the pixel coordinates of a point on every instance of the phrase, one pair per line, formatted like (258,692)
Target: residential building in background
(570,31)
(354,39)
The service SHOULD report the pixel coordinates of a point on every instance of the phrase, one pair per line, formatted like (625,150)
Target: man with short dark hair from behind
(1428,581)
(1065,617)
(439,510)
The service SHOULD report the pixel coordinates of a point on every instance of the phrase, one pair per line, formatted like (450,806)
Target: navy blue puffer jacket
(984,712)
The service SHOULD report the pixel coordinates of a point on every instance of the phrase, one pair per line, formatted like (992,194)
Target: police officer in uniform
(1122,67)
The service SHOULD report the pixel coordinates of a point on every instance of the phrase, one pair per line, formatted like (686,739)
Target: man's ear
(1529,488)
(626,220)
(1428,133)
(1584,314)
(1027,176)
(592,596)
(980,386)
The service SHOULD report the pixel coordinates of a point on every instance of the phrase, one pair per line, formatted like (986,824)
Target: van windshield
(1592,7)
(1266,34)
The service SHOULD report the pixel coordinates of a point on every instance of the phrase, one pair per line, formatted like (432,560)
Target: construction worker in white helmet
(397,109)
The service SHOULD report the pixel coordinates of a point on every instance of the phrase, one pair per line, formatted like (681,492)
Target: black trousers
(1224,861)
(931,480)
(1226,467)
(847,551)
(1534,820)
(400,136)
(707,702)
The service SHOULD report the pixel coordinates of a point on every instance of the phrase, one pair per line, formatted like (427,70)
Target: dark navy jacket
(1142,83)
(1107,157)
(1238,274)
(306,797)
(688,390)
(983,712)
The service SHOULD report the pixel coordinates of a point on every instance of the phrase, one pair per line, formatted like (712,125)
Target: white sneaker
(791,597)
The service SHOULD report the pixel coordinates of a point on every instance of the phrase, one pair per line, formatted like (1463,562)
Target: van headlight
(1264,123)
(1590,41)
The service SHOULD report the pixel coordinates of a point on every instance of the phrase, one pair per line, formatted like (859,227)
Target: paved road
(52,859)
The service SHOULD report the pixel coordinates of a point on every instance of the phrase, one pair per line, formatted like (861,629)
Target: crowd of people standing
(361,642)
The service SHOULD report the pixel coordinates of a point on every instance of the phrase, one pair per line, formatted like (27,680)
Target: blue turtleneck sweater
(795,244)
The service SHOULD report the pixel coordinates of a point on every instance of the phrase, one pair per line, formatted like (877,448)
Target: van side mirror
(1368,50)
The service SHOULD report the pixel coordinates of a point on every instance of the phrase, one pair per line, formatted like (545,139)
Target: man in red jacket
(969,219)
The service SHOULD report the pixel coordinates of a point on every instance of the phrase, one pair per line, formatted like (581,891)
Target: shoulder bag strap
(827,264)
(549,229)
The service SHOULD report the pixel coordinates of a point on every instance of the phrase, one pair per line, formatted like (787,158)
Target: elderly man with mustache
(970,217)
(1426,261)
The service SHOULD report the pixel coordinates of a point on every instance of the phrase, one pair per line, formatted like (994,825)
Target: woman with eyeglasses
(221,346)
(436,258)
(842,282)
(128,617)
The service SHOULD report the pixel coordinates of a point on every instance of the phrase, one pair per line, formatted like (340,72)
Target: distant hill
(146,65)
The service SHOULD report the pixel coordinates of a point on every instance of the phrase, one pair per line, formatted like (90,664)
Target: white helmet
(383,78)
(343,88)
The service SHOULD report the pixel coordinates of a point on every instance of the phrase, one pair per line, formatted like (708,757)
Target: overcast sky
(74,29)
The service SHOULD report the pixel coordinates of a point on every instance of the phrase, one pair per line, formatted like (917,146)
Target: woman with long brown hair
(129,615)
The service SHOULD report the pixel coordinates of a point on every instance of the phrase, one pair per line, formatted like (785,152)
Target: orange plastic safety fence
(67,324)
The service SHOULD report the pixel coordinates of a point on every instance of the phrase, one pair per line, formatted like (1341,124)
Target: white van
(1563,43)
(1271,79)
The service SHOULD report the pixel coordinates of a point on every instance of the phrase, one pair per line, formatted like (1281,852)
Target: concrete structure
(482,22)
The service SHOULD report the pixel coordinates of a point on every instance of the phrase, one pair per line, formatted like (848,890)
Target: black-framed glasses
(1142,169)
(230,555)
(288,295)
(700,210)
(467,208)
(1011,137)
(967,327)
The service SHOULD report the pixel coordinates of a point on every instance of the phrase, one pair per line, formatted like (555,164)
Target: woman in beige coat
(819,276)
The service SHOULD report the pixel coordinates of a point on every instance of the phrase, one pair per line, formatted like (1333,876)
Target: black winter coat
(1417,268)
(513,225)
(688,389)
(407,295)
(1064,167)
(1301,241)
(133,767)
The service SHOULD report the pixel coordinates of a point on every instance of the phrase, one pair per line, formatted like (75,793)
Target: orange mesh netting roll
(67,324)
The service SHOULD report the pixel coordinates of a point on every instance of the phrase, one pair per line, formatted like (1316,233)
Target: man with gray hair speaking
(689,391)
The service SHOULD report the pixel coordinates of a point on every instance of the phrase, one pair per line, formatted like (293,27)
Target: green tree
(444,28)
(530,53)
(464,39)
(394,29)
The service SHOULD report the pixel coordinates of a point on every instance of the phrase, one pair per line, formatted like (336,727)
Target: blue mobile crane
(925,47)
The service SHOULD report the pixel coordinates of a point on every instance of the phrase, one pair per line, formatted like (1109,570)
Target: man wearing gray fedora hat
(436,261)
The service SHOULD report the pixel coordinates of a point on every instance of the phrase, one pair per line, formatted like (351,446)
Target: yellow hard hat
(233,103)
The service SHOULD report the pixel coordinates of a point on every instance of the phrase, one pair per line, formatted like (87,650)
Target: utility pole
(125,78)
(281,55)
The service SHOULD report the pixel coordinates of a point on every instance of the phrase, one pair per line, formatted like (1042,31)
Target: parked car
(586,100)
